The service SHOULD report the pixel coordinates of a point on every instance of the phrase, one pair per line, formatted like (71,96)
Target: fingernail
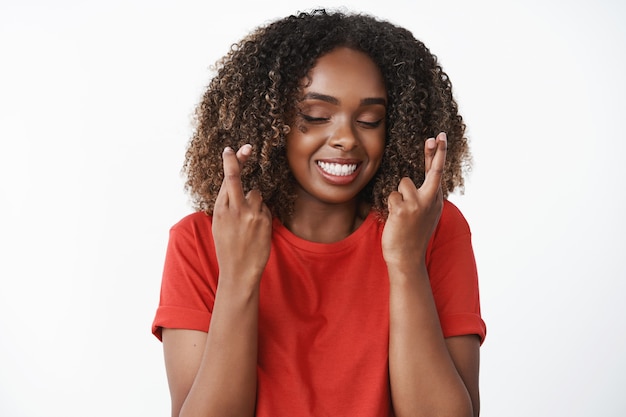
(228,149)
(443,136)
(246,149)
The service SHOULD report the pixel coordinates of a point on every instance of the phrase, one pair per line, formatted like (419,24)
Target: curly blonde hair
(253,97)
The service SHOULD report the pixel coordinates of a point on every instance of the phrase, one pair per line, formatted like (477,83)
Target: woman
(324,272)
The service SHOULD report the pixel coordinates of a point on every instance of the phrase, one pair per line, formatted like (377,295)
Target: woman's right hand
(242,224)
(215,373)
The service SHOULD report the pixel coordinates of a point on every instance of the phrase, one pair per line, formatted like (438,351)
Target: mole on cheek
(302,128)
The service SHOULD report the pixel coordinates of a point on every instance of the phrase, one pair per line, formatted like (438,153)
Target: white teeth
(337,169)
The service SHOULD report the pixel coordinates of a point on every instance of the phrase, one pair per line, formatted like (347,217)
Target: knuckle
(253,195)
(219,212)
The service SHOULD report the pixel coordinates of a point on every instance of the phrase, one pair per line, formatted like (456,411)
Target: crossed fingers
(435,150)
(231,192)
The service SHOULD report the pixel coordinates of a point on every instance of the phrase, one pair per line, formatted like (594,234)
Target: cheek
(377,155)
(296,148)
(377,148)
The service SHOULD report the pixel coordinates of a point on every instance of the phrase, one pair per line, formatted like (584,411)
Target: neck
(325,223)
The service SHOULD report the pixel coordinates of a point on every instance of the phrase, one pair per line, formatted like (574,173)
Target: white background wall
(95,104)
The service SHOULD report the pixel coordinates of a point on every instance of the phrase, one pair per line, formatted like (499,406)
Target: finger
(407,192)
(394,200)
(434,172)
(430,146)
(231,191)
(407,188)
(254,199)
(244,153)
(242,156)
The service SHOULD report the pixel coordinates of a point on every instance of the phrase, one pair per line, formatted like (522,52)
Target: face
(336,143)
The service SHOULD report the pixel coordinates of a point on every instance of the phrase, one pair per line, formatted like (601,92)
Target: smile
(340,170)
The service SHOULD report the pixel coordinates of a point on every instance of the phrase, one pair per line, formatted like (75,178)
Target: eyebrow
(373,100)
(334,100)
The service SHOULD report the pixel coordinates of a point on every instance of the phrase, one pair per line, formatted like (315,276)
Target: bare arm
(214,374)
(465,353)
(430,376)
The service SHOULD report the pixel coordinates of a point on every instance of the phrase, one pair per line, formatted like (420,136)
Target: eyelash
(371,125)
(310,119)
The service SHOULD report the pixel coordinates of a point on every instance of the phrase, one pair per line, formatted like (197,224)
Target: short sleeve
(453,276)
(189,277)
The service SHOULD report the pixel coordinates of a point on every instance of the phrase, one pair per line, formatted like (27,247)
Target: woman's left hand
(414,212)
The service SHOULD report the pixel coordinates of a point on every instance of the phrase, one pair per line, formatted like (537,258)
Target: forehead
(346,71)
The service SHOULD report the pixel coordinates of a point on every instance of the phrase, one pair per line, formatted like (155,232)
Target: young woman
(324,273)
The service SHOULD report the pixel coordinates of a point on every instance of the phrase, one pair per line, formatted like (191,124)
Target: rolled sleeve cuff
(180,318)
(463,324)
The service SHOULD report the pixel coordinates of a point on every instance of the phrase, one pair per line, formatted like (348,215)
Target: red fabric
(324,310)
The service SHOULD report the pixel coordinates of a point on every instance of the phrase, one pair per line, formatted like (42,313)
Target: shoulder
(452,225)
(192,231)
(451,217)
(192,222)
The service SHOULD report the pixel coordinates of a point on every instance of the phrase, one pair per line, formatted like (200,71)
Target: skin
(429,375)
(215,374)
(341,120)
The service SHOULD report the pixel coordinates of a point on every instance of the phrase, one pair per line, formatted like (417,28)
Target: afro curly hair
(254,96)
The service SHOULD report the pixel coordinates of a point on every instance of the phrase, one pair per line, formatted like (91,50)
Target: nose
(344,137)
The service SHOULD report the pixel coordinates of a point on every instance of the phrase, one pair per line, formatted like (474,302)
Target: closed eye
(312,119)
(370,125)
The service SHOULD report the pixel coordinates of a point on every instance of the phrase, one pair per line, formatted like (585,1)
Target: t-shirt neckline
(350,240)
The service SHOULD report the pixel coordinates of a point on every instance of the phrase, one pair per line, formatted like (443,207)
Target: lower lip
(339,179)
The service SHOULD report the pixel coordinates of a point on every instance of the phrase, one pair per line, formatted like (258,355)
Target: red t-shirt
(324,310)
